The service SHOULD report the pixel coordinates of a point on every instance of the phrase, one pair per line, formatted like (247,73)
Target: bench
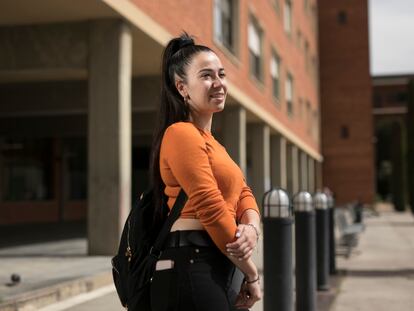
(346,229)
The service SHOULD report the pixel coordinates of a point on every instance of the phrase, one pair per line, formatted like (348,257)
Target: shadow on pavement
(409,273)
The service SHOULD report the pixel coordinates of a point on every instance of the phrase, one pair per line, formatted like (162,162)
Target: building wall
(54,114)
(47,95)
(347,126)
(177,16)
(390,103)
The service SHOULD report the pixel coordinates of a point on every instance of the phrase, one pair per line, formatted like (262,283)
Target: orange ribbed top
(217,192)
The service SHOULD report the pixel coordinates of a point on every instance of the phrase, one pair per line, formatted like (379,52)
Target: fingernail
(228,250)
(237,234)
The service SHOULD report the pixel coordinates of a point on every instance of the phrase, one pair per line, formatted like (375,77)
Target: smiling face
(205,85)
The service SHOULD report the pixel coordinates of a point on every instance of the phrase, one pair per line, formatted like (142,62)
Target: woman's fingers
(244,252)
(248,296)
(247,255)
(243,247)
(247,303)
(241,238)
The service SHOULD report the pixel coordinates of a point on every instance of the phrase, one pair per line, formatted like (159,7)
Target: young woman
(219,225)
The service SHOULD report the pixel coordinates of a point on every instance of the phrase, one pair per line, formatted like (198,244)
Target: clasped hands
(246,242)
(247,236)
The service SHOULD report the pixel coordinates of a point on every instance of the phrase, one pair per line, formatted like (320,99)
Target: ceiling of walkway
(146,51)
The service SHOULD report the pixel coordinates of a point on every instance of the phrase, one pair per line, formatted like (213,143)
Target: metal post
(332,248)
(277,241)
(322,240)
(305,237)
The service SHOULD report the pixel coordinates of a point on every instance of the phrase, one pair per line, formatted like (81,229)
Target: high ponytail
(177,55)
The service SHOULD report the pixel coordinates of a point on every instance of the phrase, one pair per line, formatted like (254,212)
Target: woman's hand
(243,247)
(249,294)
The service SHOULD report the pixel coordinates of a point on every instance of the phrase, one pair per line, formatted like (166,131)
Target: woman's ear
(181,87)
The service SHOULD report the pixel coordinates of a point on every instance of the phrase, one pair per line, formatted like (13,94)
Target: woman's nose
(217,82)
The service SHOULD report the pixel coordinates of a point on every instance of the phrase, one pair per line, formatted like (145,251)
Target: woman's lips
(217,96)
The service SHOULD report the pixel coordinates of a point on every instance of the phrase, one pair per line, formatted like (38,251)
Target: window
(306,5)
(314,17)
(344,132)
(75,168)
(276,5)
(225,21)
(316,125)
(287,19)
(397,97)
(342,18)
(377,100)
(308,117)
(307,56)
(300,108)
(289,94)
(275,74)
(255,49)
(299,39)
(26,169)
(315,70)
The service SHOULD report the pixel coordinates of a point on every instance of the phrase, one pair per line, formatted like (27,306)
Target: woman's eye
(222,75)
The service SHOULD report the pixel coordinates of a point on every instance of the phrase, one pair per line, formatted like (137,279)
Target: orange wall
(178,15)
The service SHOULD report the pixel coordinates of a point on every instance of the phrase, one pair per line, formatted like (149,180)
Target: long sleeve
(186,156)
(246,202)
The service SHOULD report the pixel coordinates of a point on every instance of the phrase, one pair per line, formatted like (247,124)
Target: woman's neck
(202,122)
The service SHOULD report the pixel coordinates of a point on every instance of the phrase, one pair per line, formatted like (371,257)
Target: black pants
(202,280)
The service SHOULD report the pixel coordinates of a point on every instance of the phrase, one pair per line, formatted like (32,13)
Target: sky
(391,36)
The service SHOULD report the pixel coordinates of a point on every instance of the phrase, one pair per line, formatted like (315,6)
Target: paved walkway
(378,276)
(52,263)
(380,272)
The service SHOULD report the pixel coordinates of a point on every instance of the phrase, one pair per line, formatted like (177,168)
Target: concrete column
(303,171)
(260,167)
(311,174)
(289,175)
(318,175)
(109,134)
(234,134)
(278,161)
(2,164)
(295,169)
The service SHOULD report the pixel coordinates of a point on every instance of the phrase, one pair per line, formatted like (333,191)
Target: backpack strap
(172,217)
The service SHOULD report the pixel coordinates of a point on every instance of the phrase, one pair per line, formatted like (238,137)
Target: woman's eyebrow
(209,70)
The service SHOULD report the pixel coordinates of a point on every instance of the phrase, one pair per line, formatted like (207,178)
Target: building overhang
(148,37)
(391,80)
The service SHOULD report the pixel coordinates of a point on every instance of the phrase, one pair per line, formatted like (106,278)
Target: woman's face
(205,86)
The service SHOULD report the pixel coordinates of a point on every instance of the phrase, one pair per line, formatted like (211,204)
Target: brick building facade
(79,89)
(346,100)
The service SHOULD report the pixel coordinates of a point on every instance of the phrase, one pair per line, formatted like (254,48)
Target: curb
(45,296)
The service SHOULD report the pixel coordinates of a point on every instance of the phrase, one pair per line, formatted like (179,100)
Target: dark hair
(177,55)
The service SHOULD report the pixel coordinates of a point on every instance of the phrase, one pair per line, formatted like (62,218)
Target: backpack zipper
(128,252)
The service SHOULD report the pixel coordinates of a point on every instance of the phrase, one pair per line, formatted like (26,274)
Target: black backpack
(139,249)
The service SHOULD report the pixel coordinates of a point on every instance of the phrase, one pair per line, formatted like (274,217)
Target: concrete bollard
(277,253)
(332,248)
(305,237)
(320,201)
